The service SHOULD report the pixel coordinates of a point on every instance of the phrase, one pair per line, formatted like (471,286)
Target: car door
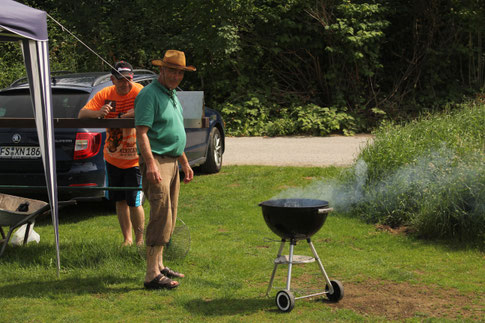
(193,109)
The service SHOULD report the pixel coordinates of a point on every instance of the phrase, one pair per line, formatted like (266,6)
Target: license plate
(20,152)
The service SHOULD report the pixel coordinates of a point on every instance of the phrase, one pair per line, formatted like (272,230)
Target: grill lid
(295,203)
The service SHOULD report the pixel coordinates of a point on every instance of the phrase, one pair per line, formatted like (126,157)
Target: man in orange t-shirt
(117,101)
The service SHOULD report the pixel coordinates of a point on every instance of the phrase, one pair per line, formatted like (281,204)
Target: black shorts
(130,177)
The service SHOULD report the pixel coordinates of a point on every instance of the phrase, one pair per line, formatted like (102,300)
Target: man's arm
(153,174)
(129,114)
(188,172)
(95,114)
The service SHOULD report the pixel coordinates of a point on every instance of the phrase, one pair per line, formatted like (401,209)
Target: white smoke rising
(339,195)
(426,177)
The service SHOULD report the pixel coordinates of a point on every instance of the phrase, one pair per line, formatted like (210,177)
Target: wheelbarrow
(16,211)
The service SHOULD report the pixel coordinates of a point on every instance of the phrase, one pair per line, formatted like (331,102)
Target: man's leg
(174,196)
(153,254)
(138,221)
(153,257)
(160,258)
(123,212)
(159,226)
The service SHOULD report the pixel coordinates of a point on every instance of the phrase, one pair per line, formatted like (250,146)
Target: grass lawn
(386,274)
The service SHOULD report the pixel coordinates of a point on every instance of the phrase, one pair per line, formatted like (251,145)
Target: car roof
(81,81)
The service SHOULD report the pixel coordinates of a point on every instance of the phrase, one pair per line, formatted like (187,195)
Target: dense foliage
(285,67)
(428,174)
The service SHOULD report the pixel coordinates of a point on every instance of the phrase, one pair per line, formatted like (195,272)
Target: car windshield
(18,104)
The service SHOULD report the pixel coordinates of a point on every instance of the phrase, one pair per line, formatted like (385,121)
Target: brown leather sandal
(160,282)
(171,273)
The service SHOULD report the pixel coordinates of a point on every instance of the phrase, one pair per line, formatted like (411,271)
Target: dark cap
(122,69)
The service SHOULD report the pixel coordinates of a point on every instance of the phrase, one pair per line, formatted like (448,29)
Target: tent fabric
(36,57)
(19,22)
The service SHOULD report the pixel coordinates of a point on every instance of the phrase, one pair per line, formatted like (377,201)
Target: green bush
(428,175)
(320,121)
(366,59)
(11,63)
(245,119)
(256,117)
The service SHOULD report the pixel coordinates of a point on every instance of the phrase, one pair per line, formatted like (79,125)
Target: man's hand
(105,109)
(188,172)
(153,174)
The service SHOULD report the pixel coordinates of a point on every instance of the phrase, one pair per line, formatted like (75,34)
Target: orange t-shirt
(120,145)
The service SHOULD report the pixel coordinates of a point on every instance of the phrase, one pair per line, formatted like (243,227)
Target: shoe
(171,273)
(160,282)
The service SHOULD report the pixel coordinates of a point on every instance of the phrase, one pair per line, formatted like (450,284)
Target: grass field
(386,274)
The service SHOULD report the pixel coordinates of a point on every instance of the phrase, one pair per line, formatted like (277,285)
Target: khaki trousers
(163,198)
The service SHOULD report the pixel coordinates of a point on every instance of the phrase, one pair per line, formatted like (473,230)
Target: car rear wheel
(213,162)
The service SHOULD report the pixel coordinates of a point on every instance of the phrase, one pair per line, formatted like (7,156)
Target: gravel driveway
(294,151)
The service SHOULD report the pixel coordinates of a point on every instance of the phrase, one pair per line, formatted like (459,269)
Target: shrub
(245,119)
(428,174)
(256,117)
(321,121)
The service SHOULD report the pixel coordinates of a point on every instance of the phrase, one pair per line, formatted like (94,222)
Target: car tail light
(87,145)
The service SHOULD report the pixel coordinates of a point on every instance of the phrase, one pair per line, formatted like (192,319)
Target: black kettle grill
(293,220)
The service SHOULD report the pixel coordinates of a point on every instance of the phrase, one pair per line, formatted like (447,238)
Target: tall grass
(428,174)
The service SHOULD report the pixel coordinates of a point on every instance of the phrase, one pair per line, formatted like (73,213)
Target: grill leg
(290,264)
(329,284)
(275,267)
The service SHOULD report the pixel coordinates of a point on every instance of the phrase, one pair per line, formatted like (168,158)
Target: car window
(145,82)
(18,104)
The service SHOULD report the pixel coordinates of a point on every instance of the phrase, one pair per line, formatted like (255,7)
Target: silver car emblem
(16,138)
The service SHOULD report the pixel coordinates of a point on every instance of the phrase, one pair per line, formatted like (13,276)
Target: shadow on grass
(228,306)
(65,287)
(73,255)
(79,212)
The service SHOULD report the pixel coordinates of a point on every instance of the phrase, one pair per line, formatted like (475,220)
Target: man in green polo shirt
(161,139)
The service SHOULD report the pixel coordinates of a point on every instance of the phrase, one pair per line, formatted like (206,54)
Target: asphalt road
(294,151)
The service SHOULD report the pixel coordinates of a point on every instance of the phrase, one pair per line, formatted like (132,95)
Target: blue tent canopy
(19,21)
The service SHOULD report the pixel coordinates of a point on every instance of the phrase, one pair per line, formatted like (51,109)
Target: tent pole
(36,57)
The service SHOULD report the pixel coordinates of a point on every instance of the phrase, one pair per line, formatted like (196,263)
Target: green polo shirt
(160,110)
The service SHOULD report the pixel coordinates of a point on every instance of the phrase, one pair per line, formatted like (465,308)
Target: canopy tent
(29,27)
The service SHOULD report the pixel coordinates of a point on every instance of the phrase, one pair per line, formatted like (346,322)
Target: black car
(79,151)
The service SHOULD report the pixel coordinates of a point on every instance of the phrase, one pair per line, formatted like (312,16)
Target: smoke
(438,174)
(341,196)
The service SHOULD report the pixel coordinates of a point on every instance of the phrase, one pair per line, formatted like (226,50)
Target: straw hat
(173,59)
